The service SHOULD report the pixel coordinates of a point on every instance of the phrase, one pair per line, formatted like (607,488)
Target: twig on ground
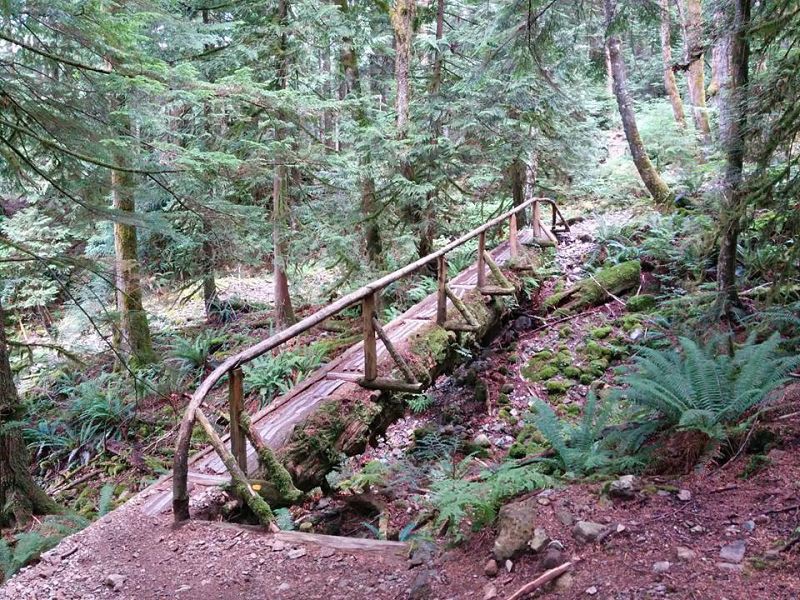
(605,290)
(776,511)
(545,577)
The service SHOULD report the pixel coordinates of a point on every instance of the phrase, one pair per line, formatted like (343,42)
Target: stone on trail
(490,570)
(489,591)
(587,531)
(685,554)
(296,553)
(115,581)
(516,527)
(482,440)
(539,540)
(684,495)
(661,566)
(565,582)
(733,552)
(624,487)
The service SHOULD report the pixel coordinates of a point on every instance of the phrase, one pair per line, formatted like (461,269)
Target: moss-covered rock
(542,373)
(641,303)
(600,333)
(587,378)
(529,441)
(572,372)
(558,387)
(565,331)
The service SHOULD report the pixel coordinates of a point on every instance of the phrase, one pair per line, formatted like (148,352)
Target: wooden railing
(236,459)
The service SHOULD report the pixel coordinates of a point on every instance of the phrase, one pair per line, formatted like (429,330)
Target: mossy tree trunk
(652,180)
(694,52)
(733,123)
(20,496)
(134,329)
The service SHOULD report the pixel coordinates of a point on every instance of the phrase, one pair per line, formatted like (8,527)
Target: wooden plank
(459,326)
(390,385)
(343,543)
(441,295)
(236,406)
(370,349)
(497,290)
(344,376)
(513,241)
(482,259)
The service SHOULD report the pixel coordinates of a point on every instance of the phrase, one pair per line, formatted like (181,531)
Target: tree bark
(134,335)
(20,496)
(402,16)
(369,205)
(284,312)
(694,51)
(650,177)
(207,260)
(733,122)
(669,76)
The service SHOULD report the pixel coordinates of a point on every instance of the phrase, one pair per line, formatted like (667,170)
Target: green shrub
(273,375)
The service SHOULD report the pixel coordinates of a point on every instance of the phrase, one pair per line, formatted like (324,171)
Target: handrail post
(236,405)
(441,296)
(370,346)
(513,241)
(481,260)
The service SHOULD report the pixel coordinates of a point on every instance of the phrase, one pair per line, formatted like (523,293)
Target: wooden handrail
(180,498)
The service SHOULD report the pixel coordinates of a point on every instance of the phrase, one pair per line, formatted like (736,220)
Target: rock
(661,566)
(516,527)
(733,552)
(482,440)
(296,553)
(507,388)
(490,570)
(306,526)
(564,515)
(421,587)
(183,588)
(585,238)
(489,591)
(761,519)
(749,526)
(565,582)
(115,581)
(591,591)
(685,554)
(684,495)
(523,323)
(543,501)
(509,566)
(587,531)
(539,540)
(772,555)
(698,529)
(624,487)
(726,566)
(284,587)
(636,334)
(553,557)
(326,552)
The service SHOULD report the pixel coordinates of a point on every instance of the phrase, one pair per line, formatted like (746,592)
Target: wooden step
(496,290)
(345,376)
(459,326)
(389,385)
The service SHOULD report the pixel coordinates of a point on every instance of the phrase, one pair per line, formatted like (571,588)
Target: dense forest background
(153,153)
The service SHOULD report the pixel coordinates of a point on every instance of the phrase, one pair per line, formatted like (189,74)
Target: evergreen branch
(53,57)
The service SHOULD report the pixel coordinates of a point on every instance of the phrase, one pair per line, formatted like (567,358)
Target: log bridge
(271,427)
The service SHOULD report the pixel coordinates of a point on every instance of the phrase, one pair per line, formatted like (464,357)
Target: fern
(105,502)
(703,389)
(419,403)
(284,520)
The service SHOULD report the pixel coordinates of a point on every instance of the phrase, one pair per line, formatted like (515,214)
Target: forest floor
(716,533)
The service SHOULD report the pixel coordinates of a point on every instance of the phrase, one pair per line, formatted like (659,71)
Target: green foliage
(28,546)
(419,403)
(373,474)
(703,389)
(105,502)
(191,356)
(270,375)
(283,519)
(581,449)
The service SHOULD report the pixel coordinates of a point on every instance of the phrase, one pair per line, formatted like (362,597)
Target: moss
(641,303)
(529,441)
(572,410)
(631,322)
(598,366)
(594,290)
(594,349)
(558,387)
(564,359)
(565,331)
(542,374)
(504,414)
(587,378)
(481,392)
(503,370)
(433,342)
(572,372)
(513,358)
(600,333)
(503,399)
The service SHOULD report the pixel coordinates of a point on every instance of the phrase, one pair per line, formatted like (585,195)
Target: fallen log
(598,288)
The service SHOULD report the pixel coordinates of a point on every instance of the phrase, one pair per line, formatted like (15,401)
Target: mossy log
(596,289)
(344,424)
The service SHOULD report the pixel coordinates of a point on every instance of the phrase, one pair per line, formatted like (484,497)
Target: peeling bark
(670,85)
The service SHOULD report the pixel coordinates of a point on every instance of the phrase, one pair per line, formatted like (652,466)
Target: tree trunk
(284,312)
(20,496)
(209,283)
(369,205)
(733,122)
(720,58)
(650,177)
(669,76)
(134,328)
(402,16)
(694,51)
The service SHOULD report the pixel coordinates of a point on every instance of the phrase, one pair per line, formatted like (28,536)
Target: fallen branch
(544,578)
(776,511)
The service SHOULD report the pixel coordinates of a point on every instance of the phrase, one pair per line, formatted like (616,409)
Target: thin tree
(284,312)
(402,16)
(670,85)
(20,496)
(691,15)
(652,180)
(733,123)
